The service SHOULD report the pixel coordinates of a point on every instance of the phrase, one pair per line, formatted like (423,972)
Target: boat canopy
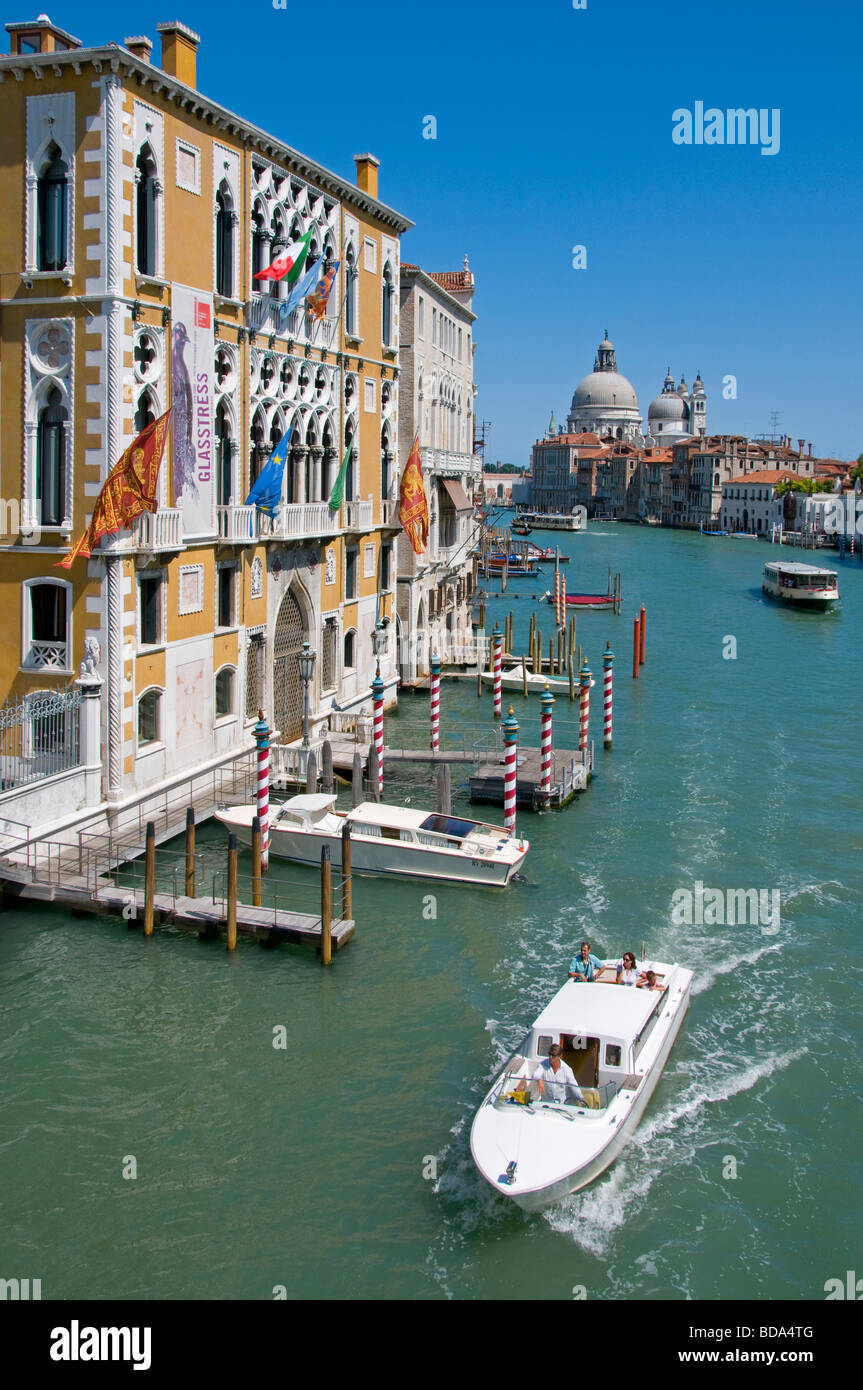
(600,1010)
(308,808)
(804,571)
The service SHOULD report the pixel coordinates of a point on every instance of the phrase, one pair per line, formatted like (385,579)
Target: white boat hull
(380,856)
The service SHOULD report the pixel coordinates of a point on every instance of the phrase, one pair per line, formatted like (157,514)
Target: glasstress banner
(192,395)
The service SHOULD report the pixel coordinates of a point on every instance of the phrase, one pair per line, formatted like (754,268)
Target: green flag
(338,492)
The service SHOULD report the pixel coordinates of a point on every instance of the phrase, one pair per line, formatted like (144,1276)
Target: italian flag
(289,263)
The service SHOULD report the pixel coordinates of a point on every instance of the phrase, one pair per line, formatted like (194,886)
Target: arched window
(350,650)
(351,291)
(145,219)
(225,692)
(387,307)
(47,637)
(258,451)
(349,475)
(224,242)
(51,460)
(386,459)
(145,413)
(260,246)
(149,717)
(224,476)
(51,205)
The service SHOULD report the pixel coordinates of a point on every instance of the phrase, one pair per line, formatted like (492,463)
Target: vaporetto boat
(536,1148)
(397,841)
(803,586)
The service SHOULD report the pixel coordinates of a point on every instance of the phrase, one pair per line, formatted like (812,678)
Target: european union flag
(300,290)
(266,492)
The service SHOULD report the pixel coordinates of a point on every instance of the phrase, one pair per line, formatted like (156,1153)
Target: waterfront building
(563,471)
(750,503)
(436,391)
(692,487)
(140,210)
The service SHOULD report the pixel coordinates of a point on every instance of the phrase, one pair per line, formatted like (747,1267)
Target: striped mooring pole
(261,734)
(557,595)
(434,666)
(510,743)
(497,649)
(546,704)
(584,711)
(607,663)
(378,707)
(562,622)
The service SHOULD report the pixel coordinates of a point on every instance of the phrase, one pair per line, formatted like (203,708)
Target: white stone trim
(190,604)
(193,185)
(149,129)
(50,119)
(49,362)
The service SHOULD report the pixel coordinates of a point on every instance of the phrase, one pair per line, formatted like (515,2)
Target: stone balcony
(237,525)
(449,464)
(158,531)
(359,516)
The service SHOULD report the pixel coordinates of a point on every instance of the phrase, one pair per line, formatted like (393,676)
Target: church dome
(604,389)
(666,406)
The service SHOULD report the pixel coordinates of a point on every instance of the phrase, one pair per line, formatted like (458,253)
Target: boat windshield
(448,825)
(515,1089)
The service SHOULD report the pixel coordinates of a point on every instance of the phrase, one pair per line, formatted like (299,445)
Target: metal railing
(39,736)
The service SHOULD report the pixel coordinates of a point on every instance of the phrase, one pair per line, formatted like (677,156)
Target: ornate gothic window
(224,473)
(145,220)
(51,461)
(387,307)
(51,212)
(224,242)
(351,291)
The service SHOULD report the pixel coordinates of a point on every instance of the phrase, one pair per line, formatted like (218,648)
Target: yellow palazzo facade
(140,211)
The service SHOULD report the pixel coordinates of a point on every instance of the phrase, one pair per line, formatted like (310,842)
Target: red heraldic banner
(192,346)
(413,507)
(130,489)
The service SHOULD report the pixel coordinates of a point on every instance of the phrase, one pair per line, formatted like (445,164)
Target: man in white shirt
(555,1078)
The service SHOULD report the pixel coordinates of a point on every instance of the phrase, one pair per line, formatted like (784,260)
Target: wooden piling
(643,625)
(149,878)
(636,647)
(256,861)
(327,767)
(232,893)
(326,906)
(551,656)
(482,616)
(190,852)
(571,679)
(374,773)
(357,780)
(444,790)
(312,772)
(479,683)
(571,651)
(347,882)
(524,675)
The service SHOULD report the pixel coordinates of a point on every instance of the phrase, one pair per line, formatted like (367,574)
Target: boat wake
(728,967)
(673,1137)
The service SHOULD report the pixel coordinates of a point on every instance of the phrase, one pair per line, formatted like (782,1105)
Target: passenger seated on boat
(649,981)
(584,964)
(555,1079)
(627,973)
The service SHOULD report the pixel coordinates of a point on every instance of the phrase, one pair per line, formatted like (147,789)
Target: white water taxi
(535,1147)
(394,840)
(805,586)
(512,678)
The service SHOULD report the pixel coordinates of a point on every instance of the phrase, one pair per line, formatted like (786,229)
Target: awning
(458,496)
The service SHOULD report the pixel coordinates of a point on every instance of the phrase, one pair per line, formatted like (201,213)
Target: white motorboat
(536,1148)
(513,679)
(394,840)
(804,586)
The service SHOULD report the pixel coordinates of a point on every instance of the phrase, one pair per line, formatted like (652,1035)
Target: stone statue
(92,657)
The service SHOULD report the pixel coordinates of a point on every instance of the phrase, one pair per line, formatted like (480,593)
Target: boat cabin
(795,576)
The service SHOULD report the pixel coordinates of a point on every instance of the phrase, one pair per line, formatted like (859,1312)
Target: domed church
(605,403)
(677,413)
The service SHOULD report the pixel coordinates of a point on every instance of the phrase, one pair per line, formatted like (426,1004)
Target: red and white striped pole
(562,600)
(557,595)
(261,735)
(497,651)
(584,711)
(510,743)
(546,703)
(607,662)
(378,708)
(434,666)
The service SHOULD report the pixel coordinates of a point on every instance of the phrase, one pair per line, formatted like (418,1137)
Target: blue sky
(554,129)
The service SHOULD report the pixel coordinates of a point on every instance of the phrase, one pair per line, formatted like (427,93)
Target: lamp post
(307,669)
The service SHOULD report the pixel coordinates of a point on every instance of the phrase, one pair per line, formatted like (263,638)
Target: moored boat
(513,679)
(803,586)
(536,1143)
(397,841)
(584,600)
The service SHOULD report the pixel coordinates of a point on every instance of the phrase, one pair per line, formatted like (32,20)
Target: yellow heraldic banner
(129,489)
(413,507)
(192,346)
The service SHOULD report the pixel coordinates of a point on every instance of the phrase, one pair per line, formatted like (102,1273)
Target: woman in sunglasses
(627,974)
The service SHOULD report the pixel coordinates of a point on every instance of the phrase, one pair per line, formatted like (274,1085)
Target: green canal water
(312,1166)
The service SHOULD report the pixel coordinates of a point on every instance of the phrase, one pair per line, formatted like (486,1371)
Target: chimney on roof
(367,173)
(810,448)
(140,45)
(179,51)
(800,444)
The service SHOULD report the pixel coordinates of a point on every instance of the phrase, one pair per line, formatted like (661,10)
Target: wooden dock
(569,774)
(205,915)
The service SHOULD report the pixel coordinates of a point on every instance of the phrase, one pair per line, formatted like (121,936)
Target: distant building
(436,391)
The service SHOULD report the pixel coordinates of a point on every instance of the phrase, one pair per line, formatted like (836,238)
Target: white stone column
(89,740)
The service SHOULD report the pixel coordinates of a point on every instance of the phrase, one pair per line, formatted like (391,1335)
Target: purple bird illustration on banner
(184,447)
